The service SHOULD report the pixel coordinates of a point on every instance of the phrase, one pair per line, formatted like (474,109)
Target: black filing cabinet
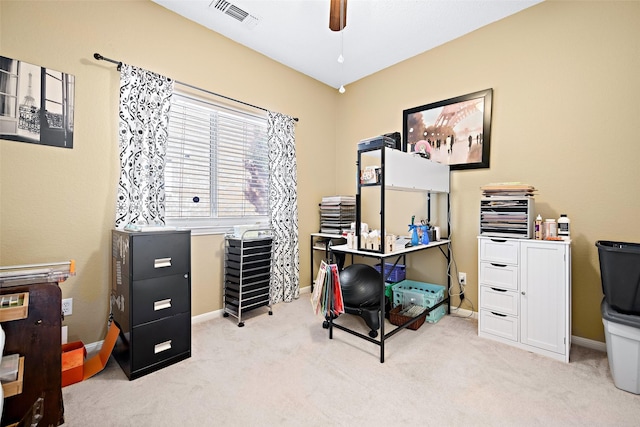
(151,299)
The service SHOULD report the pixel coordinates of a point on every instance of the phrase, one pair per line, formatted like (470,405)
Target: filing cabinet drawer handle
(498,265)
(162,262)
(499,290)
(162,304)
(163,346)
(498,314)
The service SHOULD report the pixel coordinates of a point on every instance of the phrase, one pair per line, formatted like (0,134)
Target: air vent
(235,12)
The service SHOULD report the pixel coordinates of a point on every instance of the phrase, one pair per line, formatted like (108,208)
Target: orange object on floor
(74,366)
(73,355)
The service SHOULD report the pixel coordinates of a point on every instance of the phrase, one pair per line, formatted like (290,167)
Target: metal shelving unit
(397,171)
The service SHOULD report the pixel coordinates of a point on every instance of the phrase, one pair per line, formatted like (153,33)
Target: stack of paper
(509,189)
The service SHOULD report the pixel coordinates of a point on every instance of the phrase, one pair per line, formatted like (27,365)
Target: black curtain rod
(119,63)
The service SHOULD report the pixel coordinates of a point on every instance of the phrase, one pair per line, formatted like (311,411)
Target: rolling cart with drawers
(247,271)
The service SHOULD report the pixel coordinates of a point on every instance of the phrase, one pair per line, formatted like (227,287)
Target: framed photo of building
(36,104)
(456,131)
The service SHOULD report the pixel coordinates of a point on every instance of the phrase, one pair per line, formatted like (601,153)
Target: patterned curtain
(144,114)
(283,208)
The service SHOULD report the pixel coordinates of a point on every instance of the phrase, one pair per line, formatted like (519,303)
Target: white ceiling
(378,33)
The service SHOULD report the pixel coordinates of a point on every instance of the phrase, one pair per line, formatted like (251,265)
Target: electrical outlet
(67,306)
(462,278)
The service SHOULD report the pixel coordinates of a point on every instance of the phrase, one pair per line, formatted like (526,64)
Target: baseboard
(592,344)
(219,313)
(206,316)
(463,312)
(582,342)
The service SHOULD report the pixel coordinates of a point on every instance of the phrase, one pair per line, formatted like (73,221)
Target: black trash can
(620,275)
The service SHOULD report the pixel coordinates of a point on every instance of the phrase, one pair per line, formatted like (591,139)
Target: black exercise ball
(360,285)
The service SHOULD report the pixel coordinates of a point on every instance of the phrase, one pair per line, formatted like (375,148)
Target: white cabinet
(525,294)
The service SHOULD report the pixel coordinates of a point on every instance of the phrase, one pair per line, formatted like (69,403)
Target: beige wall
(565,119)
(58,204)
(565,85)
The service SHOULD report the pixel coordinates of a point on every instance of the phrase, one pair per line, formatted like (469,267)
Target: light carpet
(283,370)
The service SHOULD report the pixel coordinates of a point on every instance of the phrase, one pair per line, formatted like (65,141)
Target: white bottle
(563,227)
(538,228)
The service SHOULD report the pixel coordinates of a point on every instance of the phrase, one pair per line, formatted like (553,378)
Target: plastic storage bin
(394,274)
(620,275)
(420,293)
(622,334)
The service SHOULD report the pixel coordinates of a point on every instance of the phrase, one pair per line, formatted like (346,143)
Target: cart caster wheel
(373,334)
(270,313)
(225,314)
(240,325)
(325,324)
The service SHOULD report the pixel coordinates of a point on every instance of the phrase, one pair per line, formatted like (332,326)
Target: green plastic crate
(431,295)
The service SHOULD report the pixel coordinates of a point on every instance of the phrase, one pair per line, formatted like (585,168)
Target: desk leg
(382,309)
(311,269)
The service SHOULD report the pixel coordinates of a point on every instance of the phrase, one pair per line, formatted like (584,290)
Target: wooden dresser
(37,339)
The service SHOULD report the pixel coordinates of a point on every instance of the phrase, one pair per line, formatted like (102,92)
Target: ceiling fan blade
(338,15)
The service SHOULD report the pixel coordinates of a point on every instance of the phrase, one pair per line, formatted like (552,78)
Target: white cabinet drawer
(499,275)
(499,300)
(499,250)
(499,325)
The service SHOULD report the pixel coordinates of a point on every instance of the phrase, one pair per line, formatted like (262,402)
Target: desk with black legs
(442,245)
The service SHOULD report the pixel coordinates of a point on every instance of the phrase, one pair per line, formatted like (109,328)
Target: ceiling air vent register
(229,9)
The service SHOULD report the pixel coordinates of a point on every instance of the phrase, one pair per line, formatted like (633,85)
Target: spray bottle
(414,229)
(425,234)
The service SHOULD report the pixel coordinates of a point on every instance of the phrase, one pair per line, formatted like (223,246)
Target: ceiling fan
(338,15)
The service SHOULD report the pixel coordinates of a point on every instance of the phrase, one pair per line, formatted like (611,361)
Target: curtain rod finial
(97,56)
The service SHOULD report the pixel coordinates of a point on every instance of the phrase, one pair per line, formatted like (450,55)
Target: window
(217,165)
(8,87)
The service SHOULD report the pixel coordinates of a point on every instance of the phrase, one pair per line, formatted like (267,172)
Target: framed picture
(36,104)
(456,131)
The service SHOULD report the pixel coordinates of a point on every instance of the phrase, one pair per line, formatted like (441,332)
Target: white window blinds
(217,168)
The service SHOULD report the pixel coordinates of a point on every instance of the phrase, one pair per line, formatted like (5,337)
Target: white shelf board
(410,172)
